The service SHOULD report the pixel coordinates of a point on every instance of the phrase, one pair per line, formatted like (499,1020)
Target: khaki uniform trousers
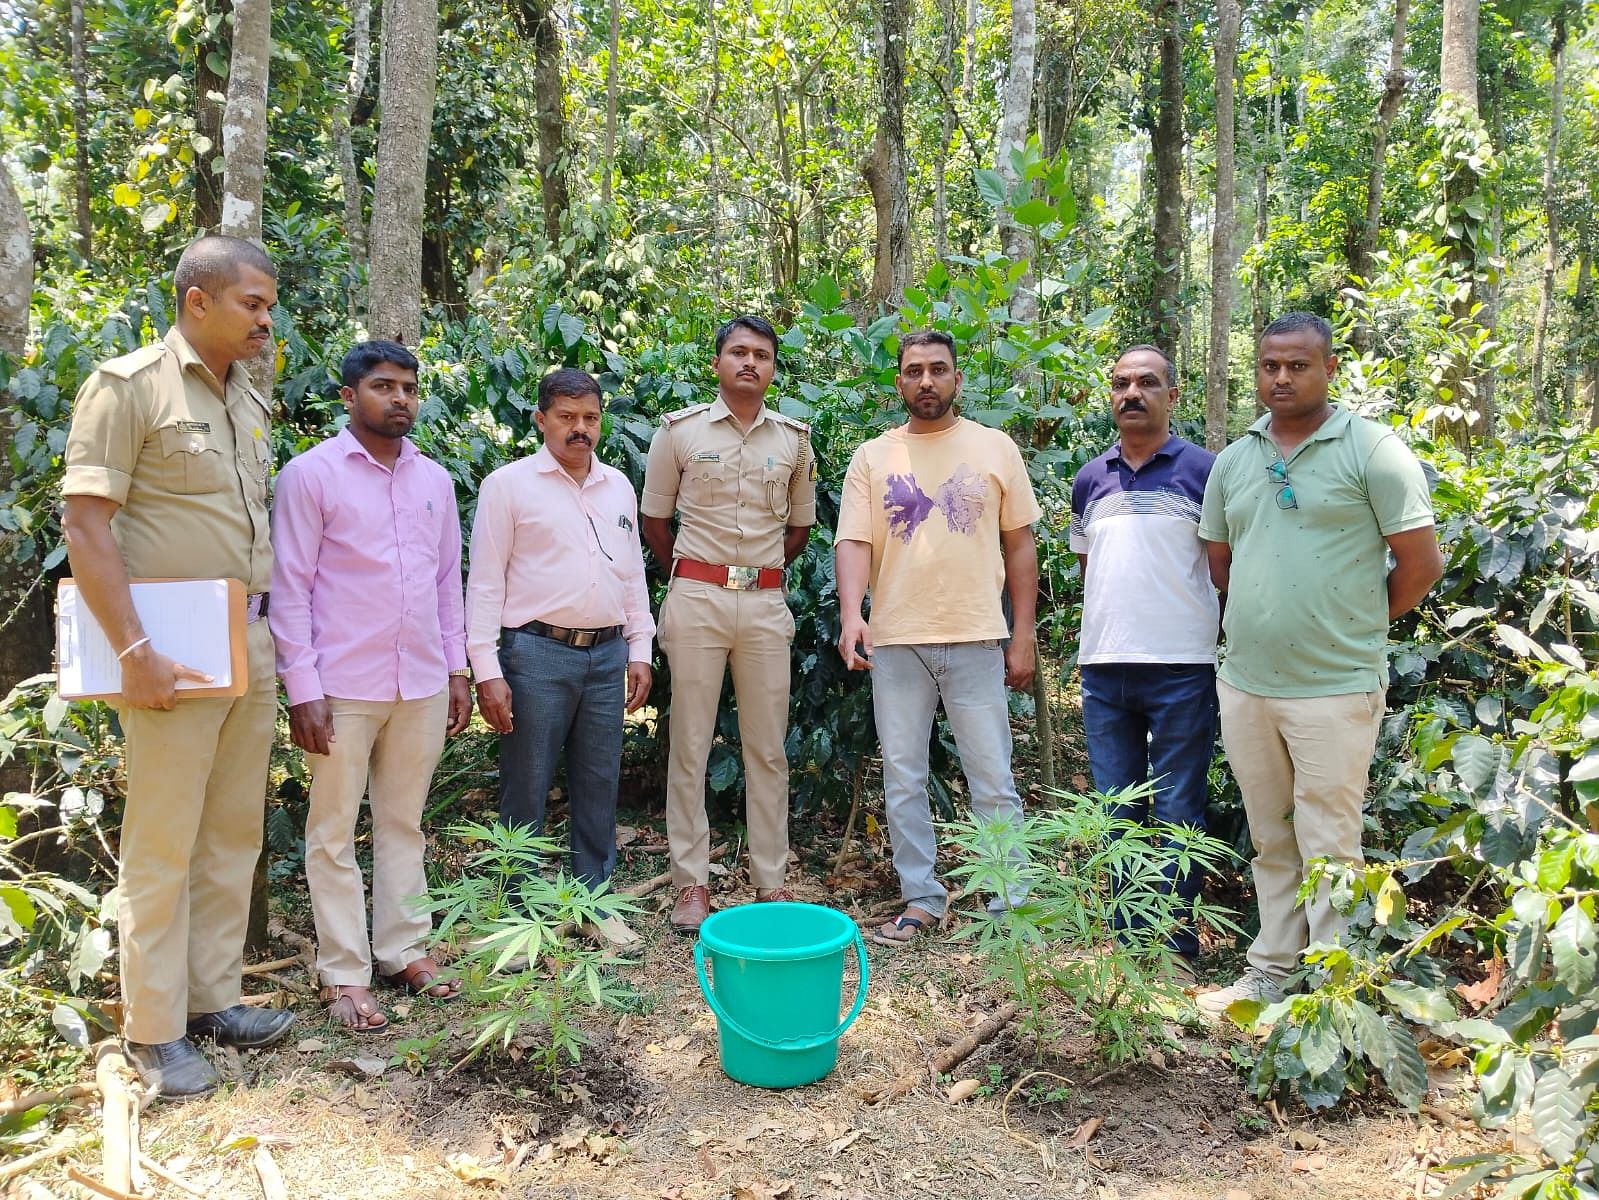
(704,630)
(1301,764)
(396,744)
(191,834)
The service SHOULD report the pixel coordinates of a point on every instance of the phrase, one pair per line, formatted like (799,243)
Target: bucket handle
(808,1041)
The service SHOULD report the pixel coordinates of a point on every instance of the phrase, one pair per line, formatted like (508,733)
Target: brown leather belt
(738,579)
(581,638)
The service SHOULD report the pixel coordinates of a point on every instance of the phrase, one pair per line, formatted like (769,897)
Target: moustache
(576,438)
(1133,406)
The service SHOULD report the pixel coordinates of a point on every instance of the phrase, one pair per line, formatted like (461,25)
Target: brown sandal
(421,978)
(348,1008)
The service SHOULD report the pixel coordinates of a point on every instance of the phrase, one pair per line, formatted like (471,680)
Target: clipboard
(199,622)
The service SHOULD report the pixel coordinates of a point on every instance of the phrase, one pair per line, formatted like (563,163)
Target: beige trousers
(1301,764)
(191,834)
(396,744)
(705,630)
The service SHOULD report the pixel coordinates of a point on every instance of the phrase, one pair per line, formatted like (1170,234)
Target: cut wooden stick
(38,1158)
(951,1058)
(118,1134)
(266,1170)
(84,1180)
(277,964)
(169,1176)
(23,1103)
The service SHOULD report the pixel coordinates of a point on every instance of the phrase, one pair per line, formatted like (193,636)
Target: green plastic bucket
(778,972)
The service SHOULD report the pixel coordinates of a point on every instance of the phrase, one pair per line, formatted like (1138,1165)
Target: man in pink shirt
(371,647)
(558,624)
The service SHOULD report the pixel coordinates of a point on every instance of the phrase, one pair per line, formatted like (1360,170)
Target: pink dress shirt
(545,549)
(366,586)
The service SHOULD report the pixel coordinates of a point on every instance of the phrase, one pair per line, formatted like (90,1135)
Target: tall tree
(886,170)
(344,118)
(952,34)
(82,183)
(1167,145)
(541,25)
(1017,108)
(1393,91)
(210,102)
(613,47)
(406,80)
(1228,16)
(1551,208)
(244,138)
(1460,115)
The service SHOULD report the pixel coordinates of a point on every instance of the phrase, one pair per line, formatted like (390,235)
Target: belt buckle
(743,579)
(582,639)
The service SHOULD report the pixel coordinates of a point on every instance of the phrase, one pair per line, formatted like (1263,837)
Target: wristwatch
(461,673)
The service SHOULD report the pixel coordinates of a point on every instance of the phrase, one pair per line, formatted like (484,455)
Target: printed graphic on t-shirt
(960,498)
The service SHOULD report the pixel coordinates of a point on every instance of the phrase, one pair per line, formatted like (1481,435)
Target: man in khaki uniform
(166,476)
(742,479)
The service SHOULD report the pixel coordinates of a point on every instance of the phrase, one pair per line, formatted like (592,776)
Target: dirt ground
(650,1114)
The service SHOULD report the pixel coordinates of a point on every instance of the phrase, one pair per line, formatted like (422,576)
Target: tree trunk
(1582,306)
(343,119)
(1551,261)
(406,81)
(244,140)
(886,170)
(613,45)
(953,35)
(1221,241)
(1163,319)
(1393,91)
(549,98)
(708,135)
(81,181)
(1457,70)
(1457,73)
(210,101)
(1013,120)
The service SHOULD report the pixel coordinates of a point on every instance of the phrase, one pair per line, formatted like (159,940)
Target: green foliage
(522,961)
(1091,930)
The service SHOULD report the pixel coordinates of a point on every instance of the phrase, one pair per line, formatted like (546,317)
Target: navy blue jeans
(571,698)
(1155,720)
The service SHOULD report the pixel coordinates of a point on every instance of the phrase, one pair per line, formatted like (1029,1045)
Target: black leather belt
(581,638)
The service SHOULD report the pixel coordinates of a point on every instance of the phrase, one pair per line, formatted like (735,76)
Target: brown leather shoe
(777,893)
(692,907)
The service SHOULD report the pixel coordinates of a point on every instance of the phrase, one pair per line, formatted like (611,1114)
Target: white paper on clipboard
(185,619)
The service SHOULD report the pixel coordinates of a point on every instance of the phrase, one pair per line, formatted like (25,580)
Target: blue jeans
(1157,720)
(907,684)
(571,698)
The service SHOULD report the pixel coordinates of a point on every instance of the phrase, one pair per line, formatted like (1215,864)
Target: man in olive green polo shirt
(166,476)
(1299,517)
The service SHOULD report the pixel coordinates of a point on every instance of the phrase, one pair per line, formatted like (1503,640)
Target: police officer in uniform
(166,476)
(742,479)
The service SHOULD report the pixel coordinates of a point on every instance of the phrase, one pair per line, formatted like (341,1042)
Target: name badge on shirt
(194,426)
(706,456)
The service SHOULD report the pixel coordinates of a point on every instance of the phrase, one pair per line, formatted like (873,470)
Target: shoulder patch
(785,419)
(128,365)
(679,414)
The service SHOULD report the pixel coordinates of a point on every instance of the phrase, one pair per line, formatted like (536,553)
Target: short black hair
(212,262)
(926,337)
(568,381)
(759,326)
(1302,322)
(365,357)
(1171,367)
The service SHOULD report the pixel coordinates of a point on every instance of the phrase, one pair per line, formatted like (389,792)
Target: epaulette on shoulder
(791,422)
(128,365)
(679,414)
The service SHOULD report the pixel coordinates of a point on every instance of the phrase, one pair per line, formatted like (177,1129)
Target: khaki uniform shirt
(737,490)
(185,457)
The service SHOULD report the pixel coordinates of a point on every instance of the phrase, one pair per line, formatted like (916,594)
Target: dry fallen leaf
(360,1066)
(962,1089)
(468,1168)
(845,1142)
(1482,992)
(310,1046)
(1304,1139)
(1083,1132)
(680,1042)
(626,835)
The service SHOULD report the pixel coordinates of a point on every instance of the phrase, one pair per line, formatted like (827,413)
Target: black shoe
(242,1026)
(172,1070)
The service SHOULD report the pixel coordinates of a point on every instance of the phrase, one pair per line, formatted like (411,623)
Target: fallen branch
(33,1099)
(277,964)
(266,1170)
(168,1176)
(949,1059)
(85,1180)
(39,1157)
(119,1138)
(858,786)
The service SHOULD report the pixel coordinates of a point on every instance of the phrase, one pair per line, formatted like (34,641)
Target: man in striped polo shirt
(1150,613)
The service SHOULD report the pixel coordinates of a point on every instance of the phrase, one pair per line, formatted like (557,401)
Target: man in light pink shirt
(367,616)
(558,624)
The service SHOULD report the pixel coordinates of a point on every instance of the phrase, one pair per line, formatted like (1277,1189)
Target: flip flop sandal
(901,922)
(421,977)
(348,1012)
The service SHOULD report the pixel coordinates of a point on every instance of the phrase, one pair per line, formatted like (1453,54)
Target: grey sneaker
(1253,984)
